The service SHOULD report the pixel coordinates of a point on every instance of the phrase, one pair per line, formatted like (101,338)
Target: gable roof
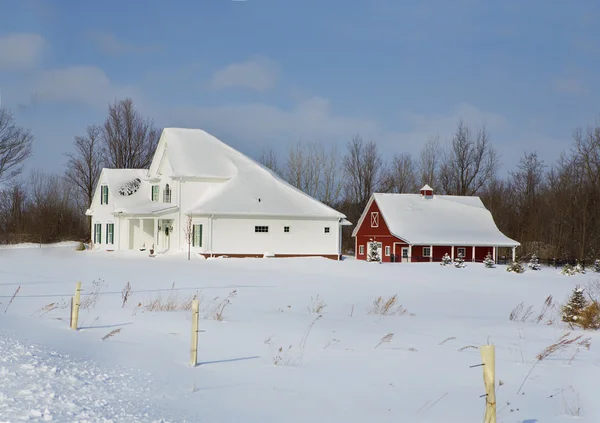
(441,220)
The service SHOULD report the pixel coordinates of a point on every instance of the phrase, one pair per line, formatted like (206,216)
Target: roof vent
(427,191)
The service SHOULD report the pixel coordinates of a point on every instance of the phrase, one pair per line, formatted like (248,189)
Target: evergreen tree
(573,309)
(534,263)
(597,266)
(373,252)
(446,260)
(579,268)
(568,270)
(459,262)
(515,267)
(489,261)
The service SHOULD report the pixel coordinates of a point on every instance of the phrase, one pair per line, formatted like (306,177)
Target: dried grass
(316,305)
(385,340)
(125,294)
(446,340)
(12,298)
(387,307)
(217,311)
(523,314)
(111,333)
(288,356)
(91,300)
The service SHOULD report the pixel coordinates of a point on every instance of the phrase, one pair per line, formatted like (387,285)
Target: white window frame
(374,219)
(199,243)
(361,250)
(405,250)
(464,251)
(259,229)
(155,190)
(167,194)
(388,250)
(103,189)
(110,234)
(97,233)
(427,254)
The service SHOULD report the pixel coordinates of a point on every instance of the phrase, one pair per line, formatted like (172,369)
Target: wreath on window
(130,187)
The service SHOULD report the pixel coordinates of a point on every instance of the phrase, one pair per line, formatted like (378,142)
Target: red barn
(425,227)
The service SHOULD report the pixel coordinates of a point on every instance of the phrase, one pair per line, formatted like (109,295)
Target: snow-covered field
(332,368)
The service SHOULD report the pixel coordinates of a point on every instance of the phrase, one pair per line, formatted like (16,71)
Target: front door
(167,228)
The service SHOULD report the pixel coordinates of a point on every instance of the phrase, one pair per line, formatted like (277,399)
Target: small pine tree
(489,261)
(446,260)
(579,268)
(597,266)
(573,309)
(459,262)
(373,253)
(568,270)
(534,263)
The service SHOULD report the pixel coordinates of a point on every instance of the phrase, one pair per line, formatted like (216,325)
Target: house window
(374,219)
(155,189)
(405,253)
(361,249)
(387,250)
(286,229)
(461,251)
(326,229)
(426,251)
(104,194)
(98,233)
(197,236)
(261,229)
(110,233)
(167,194)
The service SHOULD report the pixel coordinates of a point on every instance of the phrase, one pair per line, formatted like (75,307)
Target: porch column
(431,253)
(473,255)
(514,255)
(494,254)
(452,253)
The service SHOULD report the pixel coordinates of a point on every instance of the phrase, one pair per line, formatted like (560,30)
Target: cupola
(427,191)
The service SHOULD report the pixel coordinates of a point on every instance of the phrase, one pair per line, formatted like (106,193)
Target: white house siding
(237,236)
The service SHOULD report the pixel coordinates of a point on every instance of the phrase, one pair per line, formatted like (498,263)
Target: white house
(238,207)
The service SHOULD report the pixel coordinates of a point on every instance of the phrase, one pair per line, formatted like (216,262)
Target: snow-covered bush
(489,261)
(579,268)
(130,187)
(515,267)
(459,262)
(597,266)
(568,270)
(575,306)
(534,263)
(373,254)
(446,260)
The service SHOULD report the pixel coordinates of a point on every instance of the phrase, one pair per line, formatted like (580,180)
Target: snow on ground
(330,368)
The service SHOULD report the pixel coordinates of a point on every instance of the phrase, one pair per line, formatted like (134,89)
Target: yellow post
(76,301)
(488,357)
(195,317)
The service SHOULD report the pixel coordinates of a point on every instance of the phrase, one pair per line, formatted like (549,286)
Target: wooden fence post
(76,301)
(488,357)
(195,317)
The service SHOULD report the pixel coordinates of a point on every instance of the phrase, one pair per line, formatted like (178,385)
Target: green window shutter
(110,233)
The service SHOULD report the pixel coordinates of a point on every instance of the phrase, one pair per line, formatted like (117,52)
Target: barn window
(387,250)
(374,219)
(405,253)
(461,251)
(426,251)
(261,229)
(286,229)
(167,194)
(326,229)
(361,249)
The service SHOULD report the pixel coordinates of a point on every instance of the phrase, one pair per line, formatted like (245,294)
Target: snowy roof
(135,196)
(441,220)
(426,188)
(246,187)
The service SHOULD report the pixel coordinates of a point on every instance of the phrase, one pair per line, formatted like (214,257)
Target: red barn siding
(481,252)
(381,233)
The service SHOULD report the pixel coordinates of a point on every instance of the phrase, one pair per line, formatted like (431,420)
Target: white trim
(374,219)
(361,250)
(473,254)
(464,251)
(387,250)
(423,252)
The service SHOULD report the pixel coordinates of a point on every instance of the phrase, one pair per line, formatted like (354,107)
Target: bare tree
(332,179)
(85,163)
(401,176)
(304,166)
(364,171)
(429,163)
(470,163)
(129,140)
(188,233)
(15,146)
(268,158)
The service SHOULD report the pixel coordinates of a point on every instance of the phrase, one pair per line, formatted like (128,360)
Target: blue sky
(265,73)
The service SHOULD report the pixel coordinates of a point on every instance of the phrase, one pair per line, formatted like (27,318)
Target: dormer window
(167,194)
(104,194)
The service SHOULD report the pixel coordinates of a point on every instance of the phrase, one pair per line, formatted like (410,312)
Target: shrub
(597,266)
(515,267)
(568,270)
(574,307)
(387,307)
(459,262)
(80,247)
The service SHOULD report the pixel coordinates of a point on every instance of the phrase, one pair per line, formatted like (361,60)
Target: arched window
(167,194)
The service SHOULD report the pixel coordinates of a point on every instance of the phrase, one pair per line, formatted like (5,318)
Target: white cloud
(259,74)
(20,51)
(108,43)
(78,84)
